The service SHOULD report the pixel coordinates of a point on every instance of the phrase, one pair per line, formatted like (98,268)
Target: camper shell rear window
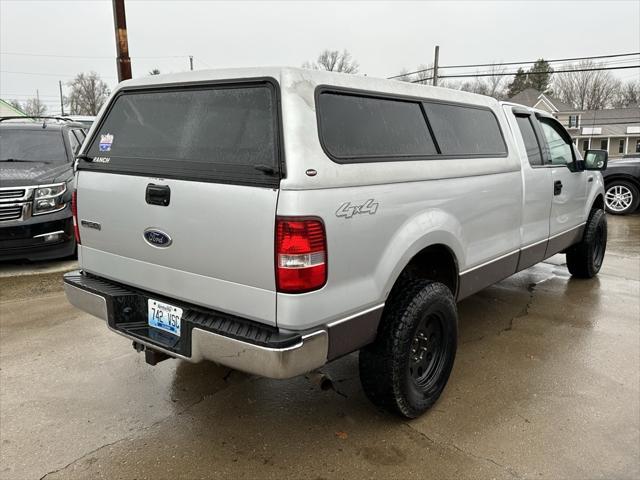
(227,133)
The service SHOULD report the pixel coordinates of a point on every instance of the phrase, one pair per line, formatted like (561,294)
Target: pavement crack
(84,455)
(126,438)
(509,470)
(453,446)
(531,288)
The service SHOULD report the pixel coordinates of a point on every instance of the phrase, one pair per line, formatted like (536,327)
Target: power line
(614,63)
(539,73)
(4,94)
(86,56)
(548,61)
(45,74)
(499,64)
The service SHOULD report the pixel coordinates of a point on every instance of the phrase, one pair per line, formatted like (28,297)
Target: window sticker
(105,142)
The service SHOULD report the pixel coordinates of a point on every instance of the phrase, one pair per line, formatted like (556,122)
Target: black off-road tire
(584,259)
(416,310)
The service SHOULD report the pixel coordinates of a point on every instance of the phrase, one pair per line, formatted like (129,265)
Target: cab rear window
(218,133)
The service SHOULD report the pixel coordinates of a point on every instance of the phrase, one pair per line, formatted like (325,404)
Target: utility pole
(435,66)
(61,99)
(191,62)
(122,44)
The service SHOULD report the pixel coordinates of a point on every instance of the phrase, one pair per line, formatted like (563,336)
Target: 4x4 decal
(347,210)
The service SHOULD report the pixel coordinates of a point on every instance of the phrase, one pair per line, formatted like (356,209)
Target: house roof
(612,122)
(611,114)
(530,97)
(8,110)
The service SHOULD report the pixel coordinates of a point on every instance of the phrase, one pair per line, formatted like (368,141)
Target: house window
(621,146)
(604,144)
(574,121)
(585,145)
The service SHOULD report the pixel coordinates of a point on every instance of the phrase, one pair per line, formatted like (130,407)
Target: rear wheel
(584,259)
(406,369)
(621,197)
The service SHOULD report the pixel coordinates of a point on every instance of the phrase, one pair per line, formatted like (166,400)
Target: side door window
(559,145)
(531,142)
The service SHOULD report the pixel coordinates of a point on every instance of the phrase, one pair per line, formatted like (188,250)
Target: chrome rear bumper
(309,353)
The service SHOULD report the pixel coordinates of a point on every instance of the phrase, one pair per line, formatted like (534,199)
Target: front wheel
(406,369)
(621,197)
(584,259)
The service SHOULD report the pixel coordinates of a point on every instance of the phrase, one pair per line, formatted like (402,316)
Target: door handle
(557,187)
(158,195)
(590,179)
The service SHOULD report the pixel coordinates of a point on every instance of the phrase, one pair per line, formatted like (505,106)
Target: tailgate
(180,195)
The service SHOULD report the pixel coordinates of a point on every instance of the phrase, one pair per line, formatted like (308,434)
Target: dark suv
(36,184)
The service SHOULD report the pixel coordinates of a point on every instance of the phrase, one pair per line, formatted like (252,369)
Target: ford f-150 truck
(275,219)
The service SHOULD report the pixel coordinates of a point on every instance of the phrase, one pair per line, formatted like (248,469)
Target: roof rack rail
(35,117)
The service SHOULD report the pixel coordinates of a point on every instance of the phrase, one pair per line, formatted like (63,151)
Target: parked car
(622,185)
(36,181)
(274,220)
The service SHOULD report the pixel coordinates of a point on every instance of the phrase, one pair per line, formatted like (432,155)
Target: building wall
(614,144)
(614,147)
(541,105)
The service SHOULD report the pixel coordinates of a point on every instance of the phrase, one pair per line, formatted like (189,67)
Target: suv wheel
(621,197)
(407,367)
(584,259)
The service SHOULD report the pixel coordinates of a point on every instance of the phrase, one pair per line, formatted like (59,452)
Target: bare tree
(34,107)
(404,76)
(424,75)
(494,86)
(496,83)
(628,95)
(477,85)
(88,94)
(334,61)
(17,105)
(586,90)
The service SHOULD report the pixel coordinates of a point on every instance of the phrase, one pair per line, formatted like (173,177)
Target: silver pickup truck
(275,219)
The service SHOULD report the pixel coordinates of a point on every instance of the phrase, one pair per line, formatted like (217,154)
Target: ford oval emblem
(157,238)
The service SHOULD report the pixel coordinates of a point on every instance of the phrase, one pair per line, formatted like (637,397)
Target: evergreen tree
(518,84)
(539,76)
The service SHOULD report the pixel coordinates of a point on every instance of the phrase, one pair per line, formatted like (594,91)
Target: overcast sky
(382,36)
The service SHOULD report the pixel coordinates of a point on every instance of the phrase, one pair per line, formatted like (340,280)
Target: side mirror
(596,159)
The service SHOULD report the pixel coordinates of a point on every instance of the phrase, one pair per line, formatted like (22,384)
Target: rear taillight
(74,211)
(301,254)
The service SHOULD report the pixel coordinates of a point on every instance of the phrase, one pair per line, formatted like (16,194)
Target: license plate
(164,317)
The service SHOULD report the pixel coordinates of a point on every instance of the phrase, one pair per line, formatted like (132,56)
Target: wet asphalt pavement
(545,385)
